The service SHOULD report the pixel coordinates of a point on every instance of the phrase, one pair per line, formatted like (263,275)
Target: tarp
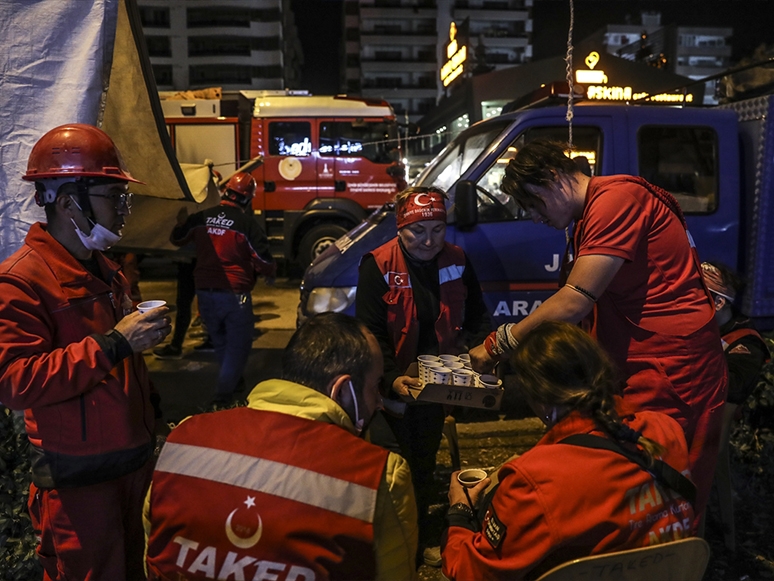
(78,61)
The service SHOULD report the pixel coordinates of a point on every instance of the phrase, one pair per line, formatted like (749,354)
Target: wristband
(490,344)
(461,509)
(583,291)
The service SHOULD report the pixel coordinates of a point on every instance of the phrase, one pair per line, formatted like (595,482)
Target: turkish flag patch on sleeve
(493,528)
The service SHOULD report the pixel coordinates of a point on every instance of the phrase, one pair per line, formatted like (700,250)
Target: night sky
(320,27)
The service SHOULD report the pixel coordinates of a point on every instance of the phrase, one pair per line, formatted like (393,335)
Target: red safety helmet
(240,188)
(76,150)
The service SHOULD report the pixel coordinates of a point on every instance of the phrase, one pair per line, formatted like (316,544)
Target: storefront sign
(456,54)
(597,88)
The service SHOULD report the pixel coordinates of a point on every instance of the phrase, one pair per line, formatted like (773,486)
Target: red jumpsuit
(559,502)
(89,418)
(655,318)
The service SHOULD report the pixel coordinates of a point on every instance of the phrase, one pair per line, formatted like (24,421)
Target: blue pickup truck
(717,162)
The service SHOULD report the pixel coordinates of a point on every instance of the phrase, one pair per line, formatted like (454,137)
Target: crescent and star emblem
(240,542)
(418,203)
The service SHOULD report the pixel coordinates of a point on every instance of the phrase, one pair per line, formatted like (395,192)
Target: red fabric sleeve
(33,373)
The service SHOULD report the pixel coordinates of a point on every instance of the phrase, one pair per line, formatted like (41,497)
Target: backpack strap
(660,470)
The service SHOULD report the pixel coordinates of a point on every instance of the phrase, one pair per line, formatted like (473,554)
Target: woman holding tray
(419,295)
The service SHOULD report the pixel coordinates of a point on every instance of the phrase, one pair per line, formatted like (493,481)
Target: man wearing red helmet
(231,252)
(71,358)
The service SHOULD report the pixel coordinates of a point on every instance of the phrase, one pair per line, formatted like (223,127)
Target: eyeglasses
(120,201)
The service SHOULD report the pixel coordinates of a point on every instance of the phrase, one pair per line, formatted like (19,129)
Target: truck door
(360,153)
(518,262)
(290,170)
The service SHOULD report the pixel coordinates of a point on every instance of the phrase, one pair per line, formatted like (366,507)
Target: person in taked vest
(419,295)
(286,488)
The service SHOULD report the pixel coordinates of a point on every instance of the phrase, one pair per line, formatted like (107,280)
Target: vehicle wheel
(317,240)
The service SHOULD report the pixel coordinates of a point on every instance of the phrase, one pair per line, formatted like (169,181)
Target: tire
(317,240)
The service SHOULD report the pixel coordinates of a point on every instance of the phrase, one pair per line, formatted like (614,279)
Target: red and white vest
(251,494)
(401,311)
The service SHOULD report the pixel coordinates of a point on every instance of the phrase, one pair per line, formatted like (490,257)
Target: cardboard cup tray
(474,397)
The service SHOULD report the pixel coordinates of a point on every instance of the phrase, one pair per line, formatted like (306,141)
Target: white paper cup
(454,365)
(424,370)
(428,358)
(462,377)
(146,306)
(470,477)
(490,381)
(440,375)
(465,357)
(448,357)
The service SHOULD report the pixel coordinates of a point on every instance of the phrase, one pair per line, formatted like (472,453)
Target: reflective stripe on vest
(269,477)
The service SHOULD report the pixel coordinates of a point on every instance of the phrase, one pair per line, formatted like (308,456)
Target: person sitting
(286,487)
(586,488)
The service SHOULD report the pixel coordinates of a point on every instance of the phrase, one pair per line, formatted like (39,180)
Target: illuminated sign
(456,56)
(597,88)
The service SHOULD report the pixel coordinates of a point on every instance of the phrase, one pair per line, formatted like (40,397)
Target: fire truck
(322,163)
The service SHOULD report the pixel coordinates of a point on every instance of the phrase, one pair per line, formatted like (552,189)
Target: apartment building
(234,44)
(394,49)
(691,51)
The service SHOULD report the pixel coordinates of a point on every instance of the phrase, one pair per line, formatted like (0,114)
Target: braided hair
(558,365)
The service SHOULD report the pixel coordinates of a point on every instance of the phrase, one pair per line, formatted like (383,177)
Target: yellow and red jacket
(401,310)
(258,491)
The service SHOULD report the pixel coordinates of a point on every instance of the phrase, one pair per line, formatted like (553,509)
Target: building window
(158,46)
(290,138)
(388,55)
(151,17)
(218,46)
(211,17)
(162,74)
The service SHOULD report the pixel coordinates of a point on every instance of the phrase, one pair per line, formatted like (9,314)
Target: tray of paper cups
(450,379)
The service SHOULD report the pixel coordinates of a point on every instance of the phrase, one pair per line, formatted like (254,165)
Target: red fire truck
(327,161)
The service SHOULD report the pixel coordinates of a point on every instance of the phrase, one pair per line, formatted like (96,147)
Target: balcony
(408,12)
(478,14)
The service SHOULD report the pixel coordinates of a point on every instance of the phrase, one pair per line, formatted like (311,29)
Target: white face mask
(359,422)
(100,237)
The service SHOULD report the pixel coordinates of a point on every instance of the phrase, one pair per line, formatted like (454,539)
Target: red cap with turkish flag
(420,205)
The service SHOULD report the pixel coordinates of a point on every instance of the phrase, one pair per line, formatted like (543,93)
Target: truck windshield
(458,156)
(376,141)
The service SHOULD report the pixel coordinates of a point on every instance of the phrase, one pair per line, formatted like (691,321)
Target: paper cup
(428,358)
(490,381)
(447,357)
(453,365)
(424,370)
(470,477)
(462,377)
(465,357)
(440,375)
(146,306)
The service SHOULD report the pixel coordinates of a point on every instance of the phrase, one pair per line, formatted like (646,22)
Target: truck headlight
(325,299)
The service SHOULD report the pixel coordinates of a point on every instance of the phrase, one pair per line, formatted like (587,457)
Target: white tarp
(80,61)
(55,59)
